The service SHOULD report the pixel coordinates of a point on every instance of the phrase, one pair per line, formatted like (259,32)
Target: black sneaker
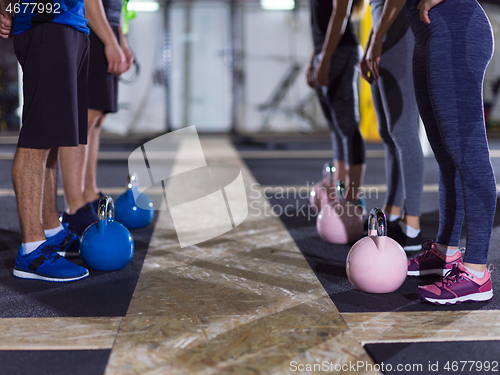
(391,225)
(95,203)
(82,218)
(408,243)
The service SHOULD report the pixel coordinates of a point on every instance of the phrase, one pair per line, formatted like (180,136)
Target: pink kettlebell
(320,191)
(340,221)
(377,263)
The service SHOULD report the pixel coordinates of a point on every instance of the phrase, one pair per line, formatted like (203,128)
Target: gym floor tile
(441,358)
(60,362)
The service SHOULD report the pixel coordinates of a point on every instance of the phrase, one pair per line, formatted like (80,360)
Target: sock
(392,217)
(447,251)
(53,232)
(28,247)
(475,273)
(409,231)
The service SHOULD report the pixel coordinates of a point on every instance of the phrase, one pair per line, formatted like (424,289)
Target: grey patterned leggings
(397,114)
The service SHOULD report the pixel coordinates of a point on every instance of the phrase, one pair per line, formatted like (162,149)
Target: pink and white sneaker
(458,286)
(432,261)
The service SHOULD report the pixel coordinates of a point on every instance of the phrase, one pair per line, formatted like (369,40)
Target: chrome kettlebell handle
(106,208)
(341,191)
(377,222)
(328,171)
(106,212)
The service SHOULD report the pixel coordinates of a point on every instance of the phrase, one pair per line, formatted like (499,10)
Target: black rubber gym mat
(328,263)
(100,294)
(54,362)
(451,357)
(328,260)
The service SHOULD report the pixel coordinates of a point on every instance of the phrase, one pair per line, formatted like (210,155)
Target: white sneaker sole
(475,297)
(33,276)
(413,247)
(436,271)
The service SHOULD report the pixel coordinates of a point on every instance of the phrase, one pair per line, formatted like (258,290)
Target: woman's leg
(458,54)
(395,192)
(340,173)
(397,98)
(336,137)
(452,53)
(342,98)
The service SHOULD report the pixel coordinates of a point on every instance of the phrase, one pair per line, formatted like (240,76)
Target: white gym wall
(201,77)
(272,41)
(142,103)
(201,84)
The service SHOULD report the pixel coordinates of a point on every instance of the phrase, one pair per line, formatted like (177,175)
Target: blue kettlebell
(106,245)
(131,212)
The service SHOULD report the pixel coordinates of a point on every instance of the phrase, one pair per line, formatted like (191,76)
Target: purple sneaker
(432,261)
(458,286)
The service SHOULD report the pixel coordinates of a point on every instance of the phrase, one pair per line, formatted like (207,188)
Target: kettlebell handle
(341,191)
(106,212)
(328,171)
(377,222)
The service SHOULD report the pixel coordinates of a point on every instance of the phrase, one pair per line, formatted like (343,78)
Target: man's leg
(103,99)
(59,52)
(34,174)
(72,164)
(73,161)
(50,215)
(66,243)
(28,176)
(37,258)
(91,191)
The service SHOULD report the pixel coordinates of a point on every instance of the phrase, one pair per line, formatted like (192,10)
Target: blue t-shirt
(30,13)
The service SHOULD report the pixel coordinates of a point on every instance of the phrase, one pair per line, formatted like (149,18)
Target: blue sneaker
(66,243)
(82,218)
(45,264)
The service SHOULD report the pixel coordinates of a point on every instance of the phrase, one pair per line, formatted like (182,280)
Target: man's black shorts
(103,87)
(54,59)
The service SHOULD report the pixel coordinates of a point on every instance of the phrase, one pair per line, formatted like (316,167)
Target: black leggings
(339,101)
